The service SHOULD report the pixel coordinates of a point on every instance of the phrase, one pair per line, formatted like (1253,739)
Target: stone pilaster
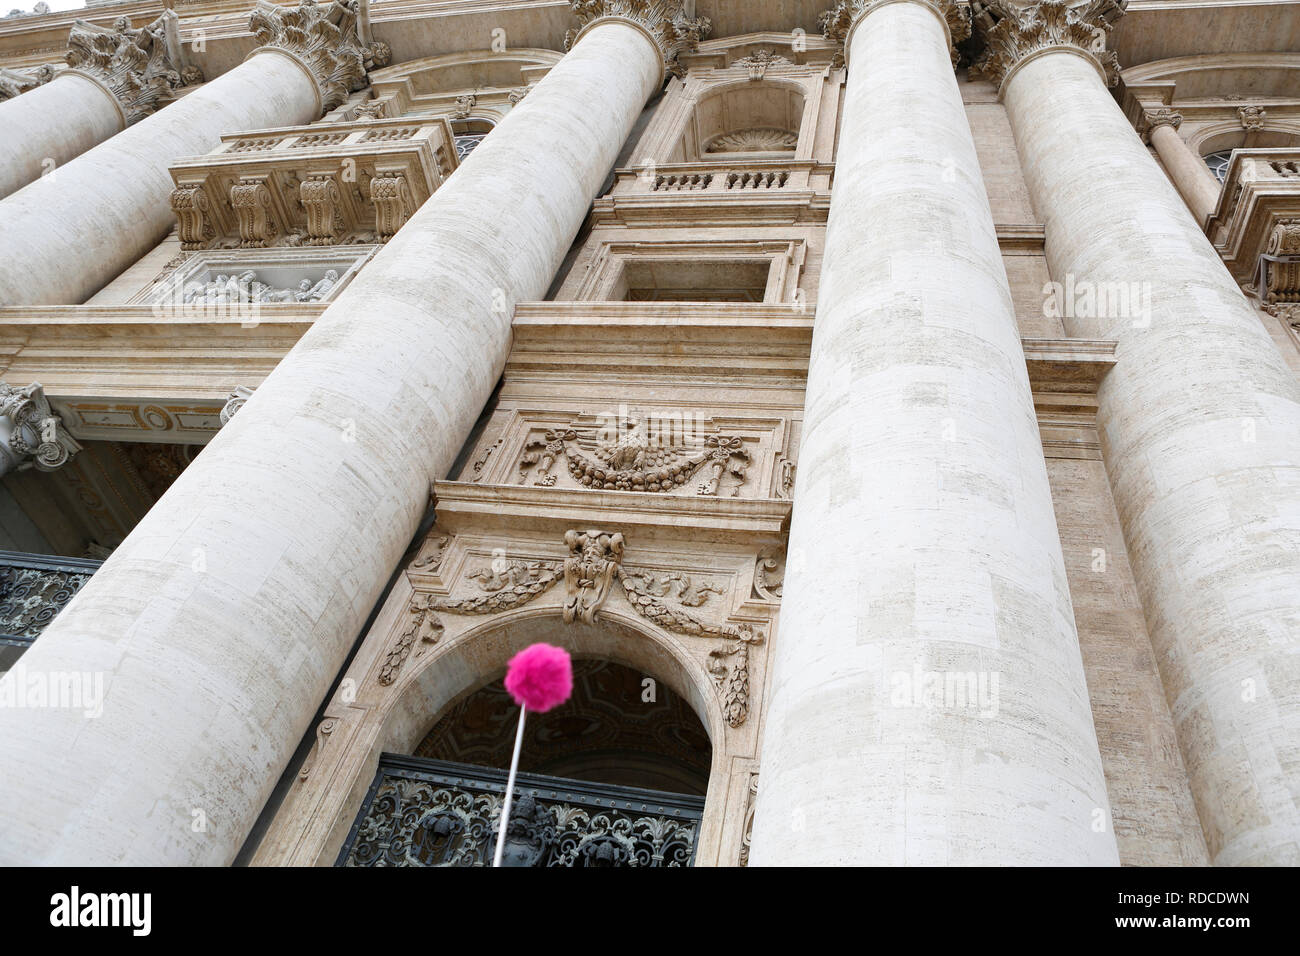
(63,238)
(928,702)
(31,433)
(1200,430)
(304,502)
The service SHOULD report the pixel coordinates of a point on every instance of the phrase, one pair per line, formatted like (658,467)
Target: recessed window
(677,281)
(1218,163)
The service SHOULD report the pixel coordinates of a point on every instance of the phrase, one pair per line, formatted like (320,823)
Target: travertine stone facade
(907,386)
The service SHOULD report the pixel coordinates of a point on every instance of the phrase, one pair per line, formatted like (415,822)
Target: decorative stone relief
(769,576)
(756,63)
(835,23)
(464,106)
(667,599)
(194,216)
(244,287)
(331,39)
(235,402)
(251,200)
(751,803)
(1280,264)
(14,82)
(665,20)
(1252,117)
(1021,31)
(31,434)
(631,459)
(594,558)
(321,201)
(516,96)
(759,140)
(140,68)
(393,203)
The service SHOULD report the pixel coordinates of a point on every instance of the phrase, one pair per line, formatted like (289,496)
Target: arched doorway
(616,776)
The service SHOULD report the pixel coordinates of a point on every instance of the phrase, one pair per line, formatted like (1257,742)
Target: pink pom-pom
(540,677)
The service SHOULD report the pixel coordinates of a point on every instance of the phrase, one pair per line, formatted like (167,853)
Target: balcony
(421,812)
(1257,222)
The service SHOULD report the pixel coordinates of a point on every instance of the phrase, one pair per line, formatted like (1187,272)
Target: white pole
(510,789)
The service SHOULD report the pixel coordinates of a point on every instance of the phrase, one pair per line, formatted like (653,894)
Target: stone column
(1199,189)
(118,76)
(928,703)
(1199,423)
(65,236)
(223,617)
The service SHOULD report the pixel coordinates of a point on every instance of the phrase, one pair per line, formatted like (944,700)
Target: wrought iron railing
(422,812)
(33,589)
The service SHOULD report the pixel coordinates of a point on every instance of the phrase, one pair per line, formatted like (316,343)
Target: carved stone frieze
(838,21)
(139,67)
(1022,31)
(31,433)
(331,39)
(245,287)
(665,20)
(630,456)
(757,140)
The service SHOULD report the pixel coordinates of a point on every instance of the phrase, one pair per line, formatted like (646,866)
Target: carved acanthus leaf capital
(14,82)
(837,22)
(1021,31)
(664,20)
(35,433)
(332,40)
(140,68)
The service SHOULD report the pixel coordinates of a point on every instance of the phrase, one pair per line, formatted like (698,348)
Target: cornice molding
(839,22)
(664,22)
(331,40)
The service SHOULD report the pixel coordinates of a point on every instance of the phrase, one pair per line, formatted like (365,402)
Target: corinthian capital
(332,40)
(140,68)
(838,22)
(14,82)
(1015,31)
(30,432)
(665,21)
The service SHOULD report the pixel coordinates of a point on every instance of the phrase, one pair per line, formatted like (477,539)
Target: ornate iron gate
(33,589)
(422,812)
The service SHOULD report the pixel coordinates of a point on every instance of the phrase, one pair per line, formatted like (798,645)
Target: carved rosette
(139,68)
(665,20)
(838,21)
(332,40)
(1022,31)
(36,436)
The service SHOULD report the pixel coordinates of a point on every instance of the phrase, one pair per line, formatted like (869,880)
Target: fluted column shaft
(52,124)
(1200,430)
(1193,179)
(928,702)
(299,509)
(63,237)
